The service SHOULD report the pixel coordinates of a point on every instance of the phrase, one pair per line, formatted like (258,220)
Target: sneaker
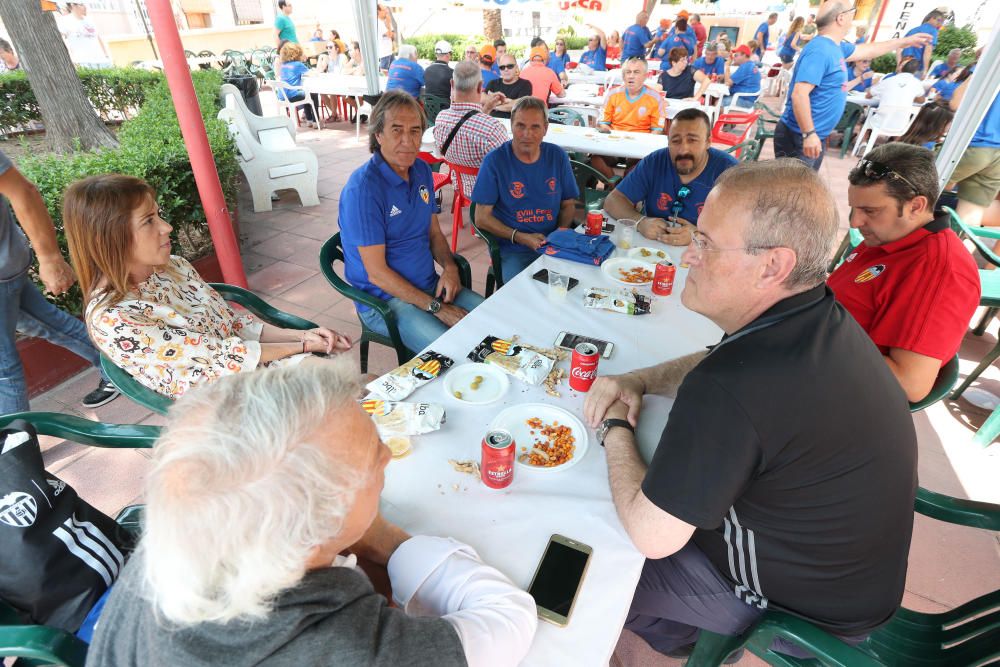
(105,393)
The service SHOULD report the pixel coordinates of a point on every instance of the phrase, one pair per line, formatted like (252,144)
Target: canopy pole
(366,18)
(206,175)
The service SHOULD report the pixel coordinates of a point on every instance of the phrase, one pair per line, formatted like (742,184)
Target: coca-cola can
(583,369)
(497,465)
(663,278)
(594,223)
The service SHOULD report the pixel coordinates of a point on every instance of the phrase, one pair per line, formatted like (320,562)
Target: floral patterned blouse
(174,331)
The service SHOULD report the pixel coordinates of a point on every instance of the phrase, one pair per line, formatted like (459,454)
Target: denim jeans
(513,262)
(742,102)
(417,327)
(789,144)
(24,309)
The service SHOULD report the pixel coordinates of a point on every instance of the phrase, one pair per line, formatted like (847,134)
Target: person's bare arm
(703,82)
(956,98)
(449,284)
(872,50)
(387,280)
(277,36)
(916,372)
(600,34)
(619,207)
(487,221)
(802,108)
(567,210)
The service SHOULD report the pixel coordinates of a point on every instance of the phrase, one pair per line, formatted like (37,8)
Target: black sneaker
(105,393)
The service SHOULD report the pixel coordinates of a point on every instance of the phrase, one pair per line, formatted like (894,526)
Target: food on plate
(403,381)
(513,359)
(399,445)
(458,395)
(553,444)
(620,300)
(636,275)
(646,252)
(394,418)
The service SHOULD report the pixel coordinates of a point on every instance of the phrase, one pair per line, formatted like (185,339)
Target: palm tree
(492,24)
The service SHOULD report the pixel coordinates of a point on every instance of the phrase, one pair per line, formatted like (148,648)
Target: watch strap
(608,424)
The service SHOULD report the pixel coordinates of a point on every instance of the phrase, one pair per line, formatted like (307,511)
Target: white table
(510,528)
(673,105)
(324,83)
(654,65)
(193,63)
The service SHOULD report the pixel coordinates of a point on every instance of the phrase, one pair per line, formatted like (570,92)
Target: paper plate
(492,388)
(515,418)
(612,266)
(653,255)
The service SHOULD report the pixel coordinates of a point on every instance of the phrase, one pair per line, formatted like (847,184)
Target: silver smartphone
(557,580)
(568,341)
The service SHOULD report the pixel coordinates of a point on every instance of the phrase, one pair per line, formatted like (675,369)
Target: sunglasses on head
(511,66)
(878,171)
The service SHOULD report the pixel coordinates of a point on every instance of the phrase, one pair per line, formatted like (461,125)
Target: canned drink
(497,466)
(595,221)
(583,368)
(663,278)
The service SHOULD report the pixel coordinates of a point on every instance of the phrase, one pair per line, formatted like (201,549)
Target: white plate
(611,267)
(493,387)
(514,419)
(636,253)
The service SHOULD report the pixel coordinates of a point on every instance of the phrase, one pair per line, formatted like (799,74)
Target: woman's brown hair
(97,216)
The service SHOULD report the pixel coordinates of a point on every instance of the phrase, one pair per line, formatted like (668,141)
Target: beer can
(497,466)
(594,223)
(663,278)
(583,368)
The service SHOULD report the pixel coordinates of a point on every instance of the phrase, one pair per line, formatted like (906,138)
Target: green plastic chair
(946,379)
(766,122)
(332,252)
(852,239)
(494,274)
(847,124)
(157,402)
(561,116)
(591,198)
(42,645)
(966,635)
(433,105)
(749,150)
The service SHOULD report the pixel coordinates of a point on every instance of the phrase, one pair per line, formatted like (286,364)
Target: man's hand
(56,274)
(449,284)
(610,389)
(603,129)
(380,541)
(533,241)
(492,100)
(812,147)
(680,235)
(450,314)
(919,39)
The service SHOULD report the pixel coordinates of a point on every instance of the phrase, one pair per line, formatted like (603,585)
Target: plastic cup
(625,230)
(558,286)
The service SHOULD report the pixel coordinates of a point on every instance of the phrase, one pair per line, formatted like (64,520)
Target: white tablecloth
(510,528)
(193,62)
(673,106)
(338,84)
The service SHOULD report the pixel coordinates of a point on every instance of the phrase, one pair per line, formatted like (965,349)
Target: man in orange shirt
(631,107)
(543,80)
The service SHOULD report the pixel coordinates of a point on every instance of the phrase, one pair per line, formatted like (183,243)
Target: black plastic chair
(433,105)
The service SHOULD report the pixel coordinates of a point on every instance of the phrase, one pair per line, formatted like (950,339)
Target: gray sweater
(333,617)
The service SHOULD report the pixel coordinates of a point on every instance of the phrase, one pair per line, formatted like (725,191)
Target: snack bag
(513,359)
(393,418)
(418,371)
(617,300)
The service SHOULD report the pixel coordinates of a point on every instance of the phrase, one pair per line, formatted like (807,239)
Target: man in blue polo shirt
(596,53)
(390,233)
(637,39)
(942,70)
(746,78)
(525,189)
(763,34)
(818,83)
(681,35)
(860,75)
(405,72)
(673,182)
(711,63)
(922,53)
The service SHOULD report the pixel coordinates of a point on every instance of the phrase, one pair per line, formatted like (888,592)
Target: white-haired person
(261,484)
(405,72)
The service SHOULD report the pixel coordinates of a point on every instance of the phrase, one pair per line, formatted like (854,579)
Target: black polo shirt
(791,448)
(512,91)
(437,79)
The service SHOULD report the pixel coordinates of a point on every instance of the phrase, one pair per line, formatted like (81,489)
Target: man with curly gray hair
(261,483)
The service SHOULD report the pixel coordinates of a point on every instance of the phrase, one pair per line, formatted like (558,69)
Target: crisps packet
(617,300)
(513,359)
(418,371)
(393,418)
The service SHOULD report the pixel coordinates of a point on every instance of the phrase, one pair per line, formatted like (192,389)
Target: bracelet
(303,343)
(513,233)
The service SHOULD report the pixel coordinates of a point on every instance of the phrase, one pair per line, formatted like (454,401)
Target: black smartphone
(607,227)
(542,276)
(569,341)
(557,580)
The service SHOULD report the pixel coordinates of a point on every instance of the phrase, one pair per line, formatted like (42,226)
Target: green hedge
(953,37)
(110,90)
(425,45)
(151,148)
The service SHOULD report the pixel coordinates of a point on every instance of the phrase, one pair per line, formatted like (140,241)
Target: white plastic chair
(884,121)
(612,78)
(264,128)
(732,101)
(271,161)
(290,107)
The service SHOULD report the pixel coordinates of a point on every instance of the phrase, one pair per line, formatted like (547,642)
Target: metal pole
(206,176)
(145,26)
(366,19)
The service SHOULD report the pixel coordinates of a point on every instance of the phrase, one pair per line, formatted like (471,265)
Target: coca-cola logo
(581,374)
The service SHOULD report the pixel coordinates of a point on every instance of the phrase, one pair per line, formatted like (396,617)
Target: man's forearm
(665,378)
(566,213)
(872,50)
(442,252)
(802,109)
(625,474)
(29,208)
(618,206)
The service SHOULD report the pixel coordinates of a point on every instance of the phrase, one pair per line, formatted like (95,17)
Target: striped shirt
(477,137)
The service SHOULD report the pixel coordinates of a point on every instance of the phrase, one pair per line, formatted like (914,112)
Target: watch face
(435,306)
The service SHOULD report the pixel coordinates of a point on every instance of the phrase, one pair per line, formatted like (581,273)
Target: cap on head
(744,49)
(664,23)
(442,46)
(683,14)
(488,53)
(537,52)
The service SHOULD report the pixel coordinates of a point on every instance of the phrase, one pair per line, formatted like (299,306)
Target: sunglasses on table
(878,172)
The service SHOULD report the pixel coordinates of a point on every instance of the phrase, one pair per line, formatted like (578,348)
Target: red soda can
(663,278)
(497,466)
(583,369)
(594,223)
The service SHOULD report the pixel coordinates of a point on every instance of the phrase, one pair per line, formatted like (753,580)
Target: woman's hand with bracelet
(325,341)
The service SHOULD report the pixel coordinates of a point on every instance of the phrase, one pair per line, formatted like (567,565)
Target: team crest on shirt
(552,184)
(642,111)
(871,273)
(850,258)
(517,189)
(425,194)
(664,199)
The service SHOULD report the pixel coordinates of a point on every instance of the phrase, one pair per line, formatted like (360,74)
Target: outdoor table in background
(511,527)
(673,106)
(322,83)
(193,63)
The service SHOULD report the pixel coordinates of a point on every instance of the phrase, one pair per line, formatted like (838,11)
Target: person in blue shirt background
(487,61)
(746,78)
(596,53)
(391,235)
(405,73)
(292,69)
(942,70)
(681,35)
(672,183)
(711,63)
(931,25)
(861,34)
(860,75)
(763,32)
(637,39)
(560,53)
(790,43)
(553,62)
(977,174)
(525,189)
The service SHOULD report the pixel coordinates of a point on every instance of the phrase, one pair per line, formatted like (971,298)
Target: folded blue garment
(567,244)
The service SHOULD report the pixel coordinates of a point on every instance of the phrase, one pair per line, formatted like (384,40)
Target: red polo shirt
(916,294)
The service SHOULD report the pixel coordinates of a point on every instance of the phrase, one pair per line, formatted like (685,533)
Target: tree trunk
(492,24)
(66,111)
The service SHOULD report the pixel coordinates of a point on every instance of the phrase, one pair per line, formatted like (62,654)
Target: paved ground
(948,565)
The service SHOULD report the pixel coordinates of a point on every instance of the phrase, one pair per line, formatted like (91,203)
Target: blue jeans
(24,309)
(417,327)
(513,262)
(743,102)
(789,144)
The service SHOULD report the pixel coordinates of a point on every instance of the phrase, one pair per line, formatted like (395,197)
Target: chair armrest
(261,308)
(464,271)
(133,389)
(344,287)
(958,511)
(974,234)
(47,645)
(492,246)
(87,432)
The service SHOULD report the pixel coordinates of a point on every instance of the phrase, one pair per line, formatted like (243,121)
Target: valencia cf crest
(425,195)
(871,273)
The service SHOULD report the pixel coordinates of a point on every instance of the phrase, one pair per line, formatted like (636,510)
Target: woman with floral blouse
(149,311)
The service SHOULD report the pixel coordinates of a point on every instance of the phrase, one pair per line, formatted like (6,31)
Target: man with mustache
(672,182)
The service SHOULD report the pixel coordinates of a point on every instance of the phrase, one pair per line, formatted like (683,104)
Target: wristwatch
(609,424)
(434,306)
(805,135)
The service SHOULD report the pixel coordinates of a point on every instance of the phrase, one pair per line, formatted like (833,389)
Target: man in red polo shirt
(911,285)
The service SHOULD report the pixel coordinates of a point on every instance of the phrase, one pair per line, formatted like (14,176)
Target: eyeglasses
(848,11)
(503,67)
(701,244)
(878,171)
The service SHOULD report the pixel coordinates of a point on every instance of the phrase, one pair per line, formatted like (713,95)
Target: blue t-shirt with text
(595,59)
(918,51)
(988,134)
(525,197)
(853,74)
(406,75)
(823,63)
(746,78)
(718,67)
(656,182)
(634,41)
(675,39)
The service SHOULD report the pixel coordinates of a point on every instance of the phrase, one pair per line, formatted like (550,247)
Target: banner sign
(899,17)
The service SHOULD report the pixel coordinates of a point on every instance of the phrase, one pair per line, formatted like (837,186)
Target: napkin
(567,244)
